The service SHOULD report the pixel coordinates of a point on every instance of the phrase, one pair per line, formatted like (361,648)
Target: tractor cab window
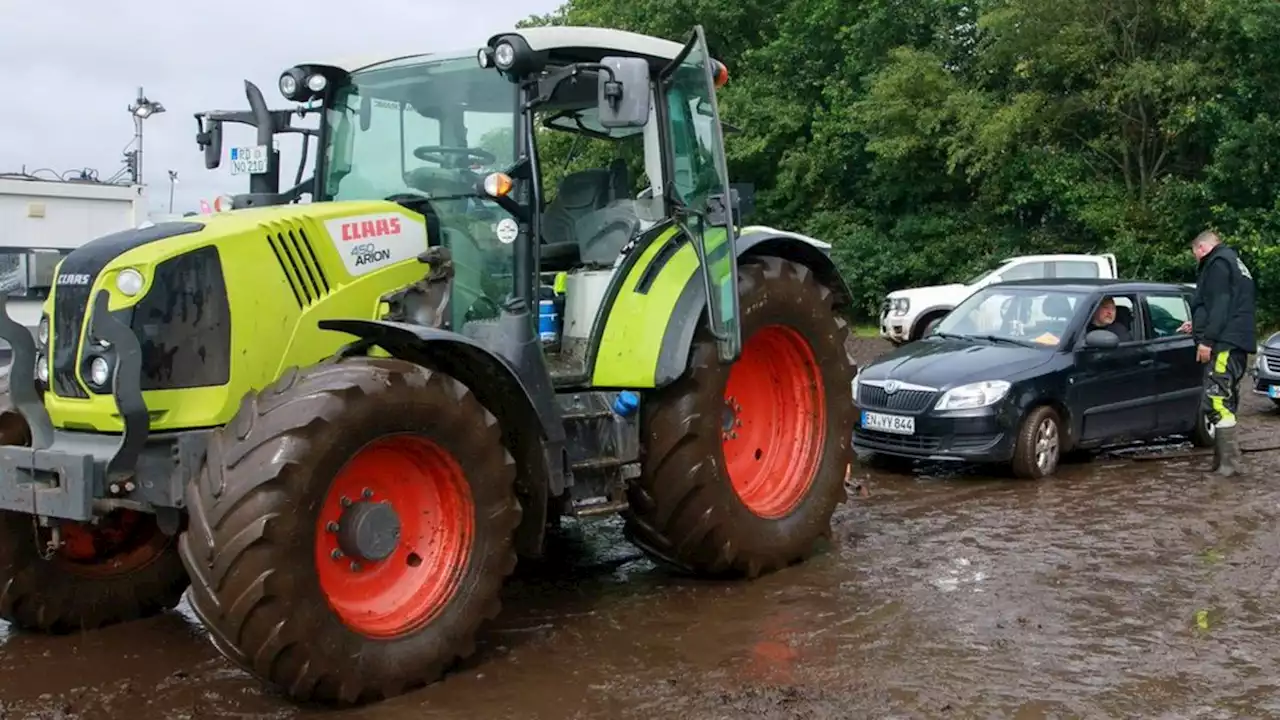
(597,192)
(425,134)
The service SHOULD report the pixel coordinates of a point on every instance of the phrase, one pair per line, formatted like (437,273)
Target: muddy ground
(1120,588)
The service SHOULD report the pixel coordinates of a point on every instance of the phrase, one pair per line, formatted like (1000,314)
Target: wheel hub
(369,531)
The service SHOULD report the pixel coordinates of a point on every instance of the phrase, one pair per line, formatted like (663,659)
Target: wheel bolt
(336,554)
(331,526)
(366,494)
(355,566)
(346,501)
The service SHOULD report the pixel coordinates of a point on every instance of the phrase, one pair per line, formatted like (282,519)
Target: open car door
(699,190)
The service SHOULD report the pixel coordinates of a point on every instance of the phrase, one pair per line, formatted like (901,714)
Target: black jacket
(1222,309)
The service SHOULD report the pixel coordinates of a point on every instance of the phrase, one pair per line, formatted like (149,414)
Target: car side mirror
(1101,339)
(623,95)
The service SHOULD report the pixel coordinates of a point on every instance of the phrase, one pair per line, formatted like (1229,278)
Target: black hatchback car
(1021,373)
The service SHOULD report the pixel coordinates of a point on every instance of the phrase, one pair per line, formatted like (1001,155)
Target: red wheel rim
(406,589)
(120,543)
(774,423)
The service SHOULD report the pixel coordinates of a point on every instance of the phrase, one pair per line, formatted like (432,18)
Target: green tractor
(336,425)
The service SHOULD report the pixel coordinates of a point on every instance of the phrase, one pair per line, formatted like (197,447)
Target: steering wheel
(436,154)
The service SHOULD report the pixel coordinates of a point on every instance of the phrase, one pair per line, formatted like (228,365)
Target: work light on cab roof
(302,83)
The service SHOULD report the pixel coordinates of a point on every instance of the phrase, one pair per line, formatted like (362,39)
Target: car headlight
(973,395)
(42,368)
(853,384)
(899,306)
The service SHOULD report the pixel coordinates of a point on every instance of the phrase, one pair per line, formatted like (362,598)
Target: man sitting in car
(1105,319)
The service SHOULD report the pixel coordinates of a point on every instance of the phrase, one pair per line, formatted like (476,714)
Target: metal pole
(137,119)
(170,194)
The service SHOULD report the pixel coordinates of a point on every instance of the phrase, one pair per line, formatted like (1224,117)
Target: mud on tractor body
(340,423)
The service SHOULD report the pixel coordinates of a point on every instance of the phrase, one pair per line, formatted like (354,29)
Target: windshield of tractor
(414,130)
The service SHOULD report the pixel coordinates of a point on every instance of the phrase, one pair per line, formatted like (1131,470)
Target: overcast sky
(71,67)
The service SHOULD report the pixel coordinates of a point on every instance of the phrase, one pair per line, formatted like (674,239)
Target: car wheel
(1039,445)
(1202,435)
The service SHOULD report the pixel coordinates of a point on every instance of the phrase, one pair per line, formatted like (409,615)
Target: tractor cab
(459,138)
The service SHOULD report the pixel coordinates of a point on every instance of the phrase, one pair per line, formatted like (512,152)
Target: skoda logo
(892,387)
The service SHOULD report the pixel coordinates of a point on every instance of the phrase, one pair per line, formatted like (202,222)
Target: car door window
(1166,313)
(1075,269)
(1025,271)
(1125,316)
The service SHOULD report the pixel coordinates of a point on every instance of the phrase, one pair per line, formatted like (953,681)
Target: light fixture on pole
(173,180)
(141,109)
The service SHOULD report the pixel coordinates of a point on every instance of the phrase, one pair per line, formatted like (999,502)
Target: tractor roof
(567,44)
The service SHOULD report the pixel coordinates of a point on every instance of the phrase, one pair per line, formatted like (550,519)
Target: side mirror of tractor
(1101,339)
(623,96)
(209,137)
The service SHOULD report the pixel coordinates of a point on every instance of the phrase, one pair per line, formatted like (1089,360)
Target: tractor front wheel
(745,464)
(86,576)
(352,529)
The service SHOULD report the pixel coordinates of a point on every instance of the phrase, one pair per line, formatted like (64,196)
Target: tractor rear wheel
(745,463)
(122,568)
(352,529)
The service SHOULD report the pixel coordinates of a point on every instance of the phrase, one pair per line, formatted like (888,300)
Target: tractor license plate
(250,160)
(897,424)
(1273,392)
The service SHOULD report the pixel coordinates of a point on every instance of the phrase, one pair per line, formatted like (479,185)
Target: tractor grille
(298,261)
(70,305)
(910,401)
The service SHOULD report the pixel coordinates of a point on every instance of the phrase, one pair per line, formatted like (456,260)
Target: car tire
(1202,435)
(1039,444)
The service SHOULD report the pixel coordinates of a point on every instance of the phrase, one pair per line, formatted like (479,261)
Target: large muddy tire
(744,464)
(121,569)
(298,568)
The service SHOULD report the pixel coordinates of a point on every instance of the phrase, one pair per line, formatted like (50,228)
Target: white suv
(908,315)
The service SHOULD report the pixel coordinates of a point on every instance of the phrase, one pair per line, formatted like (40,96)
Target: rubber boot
(1226,451)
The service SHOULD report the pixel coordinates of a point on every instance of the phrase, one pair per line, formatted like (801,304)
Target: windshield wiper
(935,333)
(1003,339)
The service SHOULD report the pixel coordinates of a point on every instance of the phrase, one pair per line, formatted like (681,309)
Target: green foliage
(928,139)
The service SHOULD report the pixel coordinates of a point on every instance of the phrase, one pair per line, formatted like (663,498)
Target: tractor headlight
(42,332)
(129,282)
(42,368)
(504,55)
(316,83)
(288,85)
(99,371)
(974,395)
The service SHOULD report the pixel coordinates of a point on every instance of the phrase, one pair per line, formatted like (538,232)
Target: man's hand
(1185,327)
(1202,353)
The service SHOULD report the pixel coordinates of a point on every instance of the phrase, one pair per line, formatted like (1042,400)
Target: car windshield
(430,128)
(1036,317)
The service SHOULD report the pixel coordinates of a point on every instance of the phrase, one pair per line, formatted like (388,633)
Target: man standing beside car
(1223,327)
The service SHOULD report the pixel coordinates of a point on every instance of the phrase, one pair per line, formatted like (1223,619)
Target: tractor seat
(581,195)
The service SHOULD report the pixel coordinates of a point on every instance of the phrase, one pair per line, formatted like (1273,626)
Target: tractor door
(698,183)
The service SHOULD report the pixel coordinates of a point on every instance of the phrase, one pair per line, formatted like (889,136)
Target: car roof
(1090,285)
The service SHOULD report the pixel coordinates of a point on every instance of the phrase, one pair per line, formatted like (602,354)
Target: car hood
(948,362)
(1272,342)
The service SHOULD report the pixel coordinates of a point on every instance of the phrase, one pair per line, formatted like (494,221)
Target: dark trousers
(1221,398)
